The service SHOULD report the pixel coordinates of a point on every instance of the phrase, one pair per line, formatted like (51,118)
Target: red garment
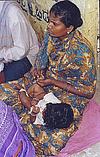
(2,77)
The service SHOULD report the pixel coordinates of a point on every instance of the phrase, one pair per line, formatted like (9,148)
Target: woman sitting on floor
(67,62)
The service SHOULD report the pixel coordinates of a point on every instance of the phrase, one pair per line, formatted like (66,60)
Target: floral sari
(71,60)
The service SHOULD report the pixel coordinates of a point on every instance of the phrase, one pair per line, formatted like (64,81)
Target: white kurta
(24,39)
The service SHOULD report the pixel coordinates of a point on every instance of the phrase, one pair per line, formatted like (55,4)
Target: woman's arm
(41,61)
(68,87)
(72,89)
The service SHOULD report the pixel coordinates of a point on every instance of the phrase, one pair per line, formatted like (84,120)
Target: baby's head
(59,115)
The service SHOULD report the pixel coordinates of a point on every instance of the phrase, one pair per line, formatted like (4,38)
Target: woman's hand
(36,73)
(45,82)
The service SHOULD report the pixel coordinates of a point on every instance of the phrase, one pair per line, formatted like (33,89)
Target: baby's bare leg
(36,91)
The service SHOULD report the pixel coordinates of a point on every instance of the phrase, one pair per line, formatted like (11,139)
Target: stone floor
(93,151)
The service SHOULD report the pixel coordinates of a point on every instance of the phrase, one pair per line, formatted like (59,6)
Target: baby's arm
(25,99)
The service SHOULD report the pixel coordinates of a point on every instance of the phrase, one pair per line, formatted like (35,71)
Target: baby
(46,109)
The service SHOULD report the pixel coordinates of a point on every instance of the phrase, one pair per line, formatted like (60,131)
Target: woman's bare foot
(20,146)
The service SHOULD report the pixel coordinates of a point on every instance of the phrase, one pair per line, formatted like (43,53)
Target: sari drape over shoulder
(71,60)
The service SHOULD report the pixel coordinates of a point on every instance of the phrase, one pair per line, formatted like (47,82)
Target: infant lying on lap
(46,109)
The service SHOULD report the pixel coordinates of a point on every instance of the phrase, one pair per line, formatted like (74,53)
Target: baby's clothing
(48,98)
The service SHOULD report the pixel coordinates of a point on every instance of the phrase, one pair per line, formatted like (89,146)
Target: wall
(38,12)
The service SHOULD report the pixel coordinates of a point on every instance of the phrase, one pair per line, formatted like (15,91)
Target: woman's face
(56,28)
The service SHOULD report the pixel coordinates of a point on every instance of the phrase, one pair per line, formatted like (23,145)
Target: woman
(13,141)
(67,62)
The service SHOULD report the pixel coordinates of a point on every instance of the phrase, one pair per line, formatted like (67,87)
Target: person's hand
(37,74)
(35,109)
(45,82)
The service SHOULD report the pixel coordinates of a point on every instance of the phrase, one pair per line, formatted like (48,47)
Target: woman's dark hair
(59,115)
(68,12)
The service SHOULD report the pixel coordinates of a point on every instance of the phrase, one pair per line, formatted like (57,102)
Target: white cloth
(1,5)
(24,40)
(48,98)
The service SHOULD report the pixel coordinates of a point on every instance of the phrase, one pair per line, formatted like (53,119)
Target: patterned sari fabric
(13,141)
(70,60)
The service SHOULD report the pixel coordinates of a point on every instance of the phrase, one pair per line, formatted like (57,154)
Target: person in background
(18,42)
